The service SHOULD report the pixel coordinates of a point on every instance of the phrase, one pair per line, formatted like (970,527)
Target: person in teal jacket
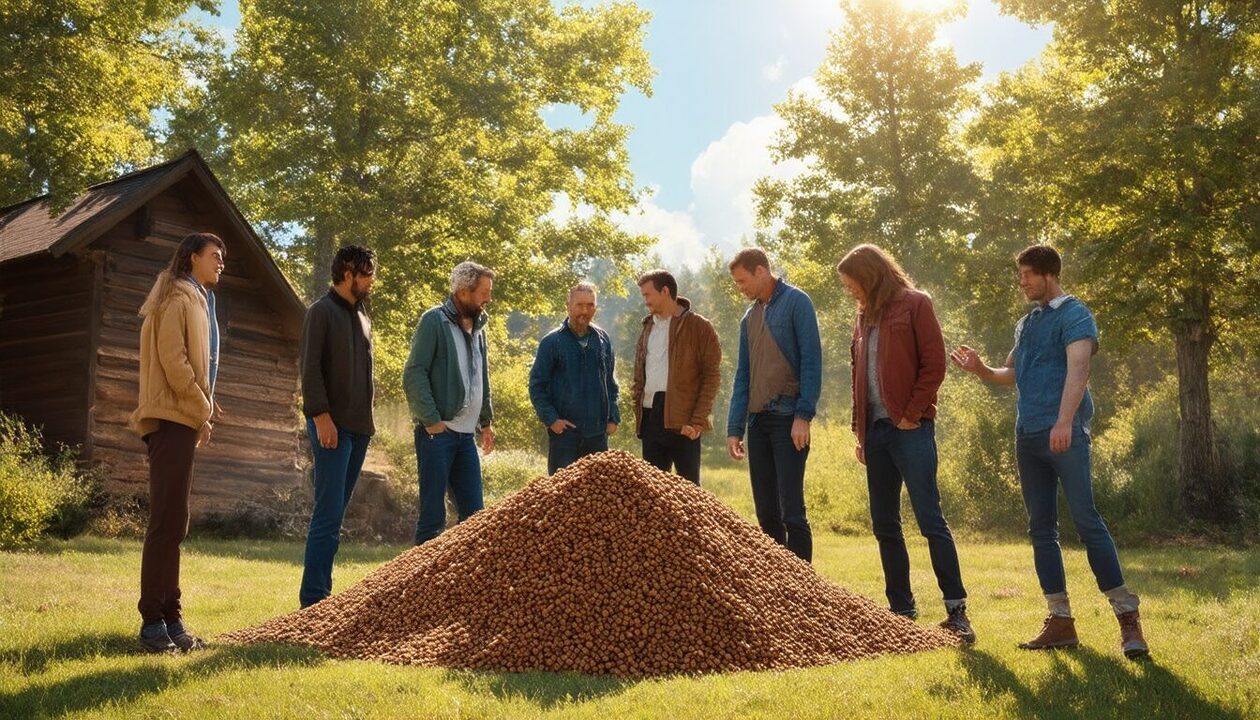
(447,383)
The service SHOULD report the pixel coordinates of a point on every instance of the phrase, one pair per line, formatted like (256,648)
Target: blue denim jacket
(793,324)
(575,384)
(1041,340)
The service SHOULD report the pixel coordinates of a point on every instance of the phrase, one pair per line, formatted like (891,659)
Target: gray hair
(467,275)
(581,288)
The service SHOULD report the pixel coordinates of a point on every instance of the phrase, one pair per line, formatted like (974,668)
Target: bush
(978,476)
(39,493)
(1136,458)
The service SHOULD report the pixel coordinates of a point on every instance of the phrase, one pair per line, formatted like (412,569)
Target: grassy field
(67,625)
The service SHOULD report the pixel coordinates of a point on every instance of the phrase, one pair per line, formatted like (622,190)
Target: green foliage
(1136,457)
(80,81)
(503,472)
(38,493)
(885,160)
(978,476)
(418,129)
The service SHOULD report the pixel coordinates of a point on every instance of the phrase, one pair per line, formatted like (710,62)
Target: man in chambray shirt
(1049,367)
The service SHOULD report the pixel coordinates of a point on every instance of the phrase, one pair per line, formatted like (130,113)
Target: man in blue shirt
(1049,367)
(572,385)
(777,384)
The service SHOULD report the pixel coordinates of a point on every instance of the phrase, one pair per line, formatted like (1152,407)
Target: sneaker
(958,624)
(1131,641)
(155,639)
(1058,632)
(184,640)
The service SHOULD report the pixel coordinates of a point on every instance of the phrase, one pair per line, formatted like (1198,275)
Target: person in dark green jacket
(572,384)
(447,383)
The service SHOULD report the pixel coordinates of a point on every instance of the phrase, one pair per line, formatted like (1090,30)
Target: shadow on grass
(1212,572)
(1082,683)
(97,689)
(290,552)
(95,645)
(541,689)
(286,551)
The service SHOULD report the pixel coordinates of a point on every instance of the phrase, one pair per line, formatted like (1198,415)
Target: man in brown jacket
(677,368)
(179,352)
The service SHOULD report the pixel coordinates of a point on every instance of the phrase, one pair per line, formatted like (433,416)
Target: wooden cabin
(71,286)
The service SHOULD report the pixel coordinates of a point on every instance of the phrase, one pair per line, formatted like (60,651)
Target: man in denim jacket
(777,384)
(572,385)
(1049,367)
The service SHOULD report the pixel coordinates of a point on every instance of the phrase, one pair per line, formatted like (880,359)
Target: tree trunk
(1205,492)
(322,251)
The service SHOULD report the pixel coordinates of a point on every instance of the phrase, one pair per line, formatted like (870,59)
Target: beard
(467,311)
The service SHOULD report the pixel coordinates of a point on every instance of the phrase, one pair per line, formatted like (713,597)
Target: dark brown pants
(171,449)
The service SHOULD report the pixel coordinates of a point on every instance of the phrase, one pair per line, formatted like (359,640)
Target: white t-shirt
(656,368)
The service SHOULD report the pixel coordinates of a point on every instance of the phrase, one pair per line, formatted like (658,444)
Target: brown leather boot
(1058,632)
(1131,640)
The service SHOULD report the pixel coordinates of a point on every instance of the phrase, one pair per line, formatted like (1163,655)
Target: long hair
(879,276)
(180,265)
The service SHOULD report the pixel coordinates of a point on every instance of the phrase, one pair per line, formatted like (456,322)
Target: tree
(80,81)
(1137,133)
(418,129)
(881,143)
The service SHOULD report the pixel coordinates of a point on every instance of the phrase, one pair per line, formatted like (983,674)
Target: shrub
(39,493)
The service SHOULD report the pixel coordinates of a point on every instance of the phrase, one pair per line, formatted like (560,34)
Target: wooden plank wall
(255,446)
(45,329)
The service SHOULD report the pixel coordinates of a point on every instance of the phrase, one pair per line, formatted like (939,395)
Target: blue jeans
(777,471)
(1040,474)
(569,446)
(894,457)
(448,459)
(335,473)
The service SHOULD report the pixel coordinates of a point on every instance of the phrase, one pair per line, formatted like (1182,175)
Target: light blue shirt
(1041,340)
(214,330)
(469,353)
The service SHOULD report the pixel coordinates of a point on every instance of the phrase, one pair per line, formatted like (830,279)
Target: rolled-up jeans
(1041,472)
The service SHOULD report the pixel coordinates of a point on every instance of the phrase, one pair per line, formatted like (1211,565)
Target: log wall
(45,343)
(254,448)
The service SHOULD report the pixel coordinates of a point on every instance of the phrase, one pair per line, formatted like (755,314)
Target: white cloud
(680,241)
(774,71)
(722,179)
(723,208)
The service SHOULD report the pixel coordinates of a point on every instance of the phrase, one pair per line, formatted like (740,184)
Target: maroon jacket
(911,360)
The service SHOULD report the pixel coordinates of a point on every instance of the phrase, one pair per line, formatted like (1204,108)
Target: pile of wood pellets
(608,567)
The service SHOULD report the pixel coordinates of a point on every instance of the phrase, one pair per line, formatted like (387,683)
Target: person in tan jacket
(677,369)
(179,352)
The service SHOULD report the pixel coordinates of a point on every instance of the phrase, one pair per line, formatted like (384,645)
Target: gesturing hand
(967,359)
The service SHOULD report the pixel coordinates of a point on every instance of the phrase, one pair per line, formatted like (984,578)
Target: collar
(336,298)
(684,308)
(780,286)
(200,288)
(591,329)
(1054,304)
(452,315)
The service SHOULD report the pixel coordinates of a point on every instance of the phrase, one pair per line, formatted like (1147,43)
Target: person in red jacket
(898,356)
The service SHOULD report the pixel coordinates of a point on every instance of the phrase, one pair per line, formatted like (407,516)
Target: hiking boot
(1058,632)
(184,640)
(912,613)
(958,624)
(154,638)
(1131,640)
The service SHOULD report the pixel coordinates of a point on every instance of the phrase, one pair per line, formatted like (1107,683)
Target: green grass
(67,624)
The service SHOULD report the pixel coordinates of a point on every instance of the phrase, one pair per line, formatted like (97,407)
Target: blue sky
(699,142)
